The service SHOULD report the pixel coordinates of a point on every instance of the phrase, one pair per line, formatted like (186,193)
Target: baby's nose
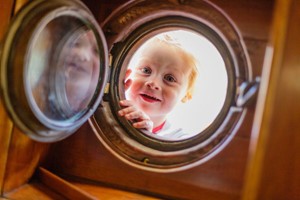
(153,85)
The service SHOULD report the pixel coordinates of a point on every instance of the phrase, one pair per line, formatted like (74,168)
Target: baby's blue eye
(146,70)
(170,78)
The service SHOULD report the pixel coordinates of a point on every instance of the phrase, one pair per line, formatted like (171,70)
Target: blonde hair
(188,58)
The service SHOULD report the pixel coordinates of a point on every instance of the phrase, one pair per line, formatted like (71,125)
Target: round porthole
(53,68)
(180,65)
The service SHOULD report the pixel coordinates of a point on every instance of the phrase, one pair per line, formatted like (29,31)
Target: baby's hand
(138,118)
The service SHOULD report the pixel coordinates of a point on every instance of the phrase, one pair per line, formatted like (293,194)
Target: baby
(165,75)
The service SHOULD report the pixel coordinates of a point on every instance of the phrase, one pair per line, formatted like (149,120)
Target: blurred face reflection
(81,69)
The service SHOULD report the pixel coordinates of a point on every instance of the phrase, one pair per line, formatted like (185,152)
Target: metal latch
(248,92)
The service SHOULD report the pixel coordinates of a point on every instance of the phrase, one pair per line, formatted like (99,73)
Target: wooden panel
(102,9)
(274,170)
(5,123)
(256,50)
(62,186)
(220,177)
(32,191)
(49,186)
(23,158)
(5,15)
(74,189)
(253,18)
(109,193)
(5,134)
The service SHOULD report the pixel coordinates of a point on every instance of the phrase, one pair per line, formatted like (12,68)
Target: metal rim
(123,29)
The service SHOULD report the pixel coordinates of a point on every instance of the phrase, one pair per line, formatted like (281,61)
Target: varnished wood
(62,186)
(109,193)
(274,167)
(6,8)
(102,9)
(6,125)
(49,186)
(34,190)
(74,189)
(19,154)
(252,17)
(5,134)
(83,156)
(24,156)
(220,178)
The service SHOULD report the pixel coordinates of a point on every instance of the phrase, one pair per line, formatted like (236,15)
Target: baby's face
(81,63)
(159,80)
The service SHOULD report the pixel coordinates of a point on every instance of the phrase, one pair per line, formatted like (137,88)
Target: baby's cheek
(134,87)
(175,96)
(129,94)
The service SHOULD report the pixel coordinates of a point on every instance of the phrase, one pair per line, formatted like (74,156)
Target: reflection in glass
(63,68)
(160,81)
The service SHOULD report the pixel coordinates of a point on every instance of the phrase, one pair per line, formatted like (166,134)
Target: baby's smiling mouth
(77,67)
(149,98)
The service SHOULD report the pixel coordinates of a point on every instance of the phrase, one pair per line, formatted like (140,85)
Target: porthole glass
(63,70)
(54,64)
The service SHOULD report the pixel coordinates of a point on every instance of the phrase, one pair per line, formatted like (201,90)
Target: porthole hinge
(106,88)
(248,92)
(110,59)
(106,91)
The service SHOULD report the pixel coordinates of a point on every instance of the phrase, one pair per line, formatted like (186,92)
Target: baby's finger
(126,111)
(126,103)
(146,124)
(135,114)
